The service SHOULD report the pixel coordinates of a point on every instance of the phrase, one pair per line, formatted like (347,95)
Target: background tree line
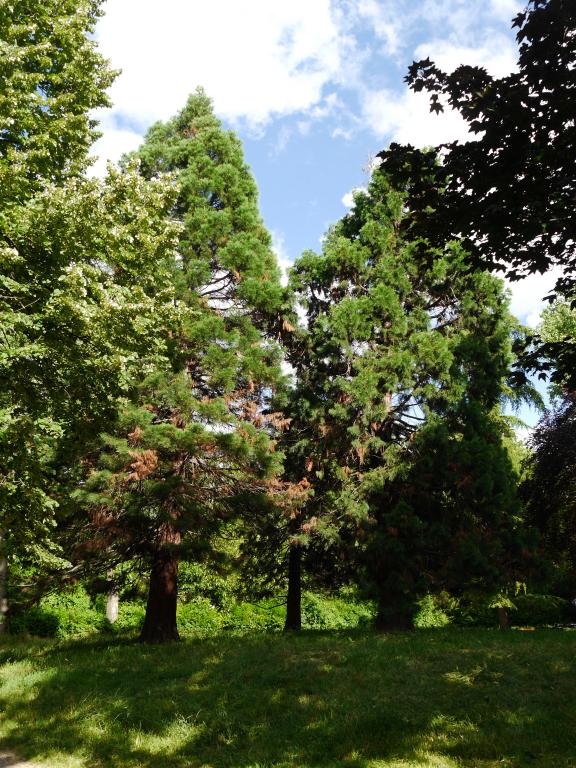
(147,418)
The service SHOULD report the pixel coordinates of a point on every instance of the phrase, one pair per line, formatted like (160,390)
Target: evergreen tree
(400,334)
(195,448)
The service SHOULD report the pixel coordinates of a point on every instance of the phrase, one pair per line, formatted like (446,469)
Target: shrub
(429,614)
(267,615)
(35,621)
(130,617)
(474,609)
(199,618)
(324,612)
(198,581)
(62,615)
(540,610)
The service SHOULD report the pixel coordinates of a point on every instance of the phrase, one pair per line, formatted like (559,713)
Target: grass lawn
(433,699)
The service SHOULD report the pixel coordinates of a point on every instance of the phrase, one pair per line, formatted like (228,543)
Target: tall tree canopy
(52,76)
(400,333)
(77,305)
(510,191)
(196,445)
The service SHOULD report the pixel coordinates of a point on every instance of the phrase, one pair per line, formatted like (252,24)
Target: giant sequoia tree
(405,357)
(195,446)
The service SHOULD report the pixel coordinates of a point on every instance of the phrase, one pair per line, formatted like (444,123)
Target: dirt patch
(10,760)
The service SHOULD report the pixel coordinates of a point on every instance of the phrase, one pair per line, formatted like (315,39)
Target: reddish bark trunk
(160,621)
(294,599)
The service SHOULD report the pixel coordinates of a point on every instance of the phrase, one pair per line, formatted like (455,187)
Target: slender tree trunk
(3,585)
(294,600)
(160,621)
(503,618)
(113,598)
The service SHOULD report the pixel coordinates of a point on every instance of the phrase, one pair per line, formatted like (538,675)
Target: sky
(314,89)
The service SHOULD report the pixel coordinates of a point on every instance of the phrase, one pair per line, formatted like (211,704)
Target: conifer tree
(400,334)
(196,447)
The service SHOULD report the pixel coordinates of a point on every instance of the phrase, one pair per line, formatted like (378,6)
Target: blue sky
(314,88)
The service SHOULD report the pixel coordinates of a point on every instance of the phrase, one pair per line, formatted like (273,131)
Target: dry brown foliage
(143,465)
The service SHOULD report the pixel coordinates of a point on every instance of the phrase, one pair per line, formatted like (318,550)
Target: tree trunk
(113,598)
(294,599)
(503,618)
(394,614)
(3,586)
(160,621)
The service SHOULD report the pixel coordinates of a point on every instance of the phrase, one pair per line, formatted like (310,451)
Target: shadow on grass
(440,698)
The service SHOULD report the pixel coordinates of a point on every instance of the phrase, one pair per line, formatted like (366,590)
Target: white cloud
(528,295)
(112,145)
(406,118)
(257,59)
(348,198)
(284,260)
(524,433)
(506,10)
(496,53)
(385,20)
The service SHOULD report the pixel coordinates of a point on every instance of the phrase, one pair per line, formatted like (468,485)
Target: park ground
(427,699)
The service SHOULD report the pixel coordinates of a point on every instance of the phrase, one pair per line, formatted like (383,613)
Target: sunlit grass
(436,699)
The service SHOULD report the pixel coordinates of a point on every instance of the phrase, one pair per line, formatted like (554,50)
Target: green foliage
(78,310)
(130,617)
(540,610)
(429,614)
(199,580)
(263,616)
(477,609)
(550,485)
(73,614)
(557,330)
(52,77)
(199,618)
(396,426)
(515,209)
(64,615)
(523,123)
(330,612)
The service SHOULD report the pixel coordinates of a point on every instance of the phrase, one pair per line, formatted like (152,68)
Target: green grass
(433,699)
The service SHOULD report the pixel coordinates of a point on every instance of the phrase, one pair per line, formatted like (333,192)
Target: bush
(198,581)
(267,615)
(130,617)
(199,618)
(474,609)
(35,621)
(540,610)
(323,612)
(62,615)
(429,614)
